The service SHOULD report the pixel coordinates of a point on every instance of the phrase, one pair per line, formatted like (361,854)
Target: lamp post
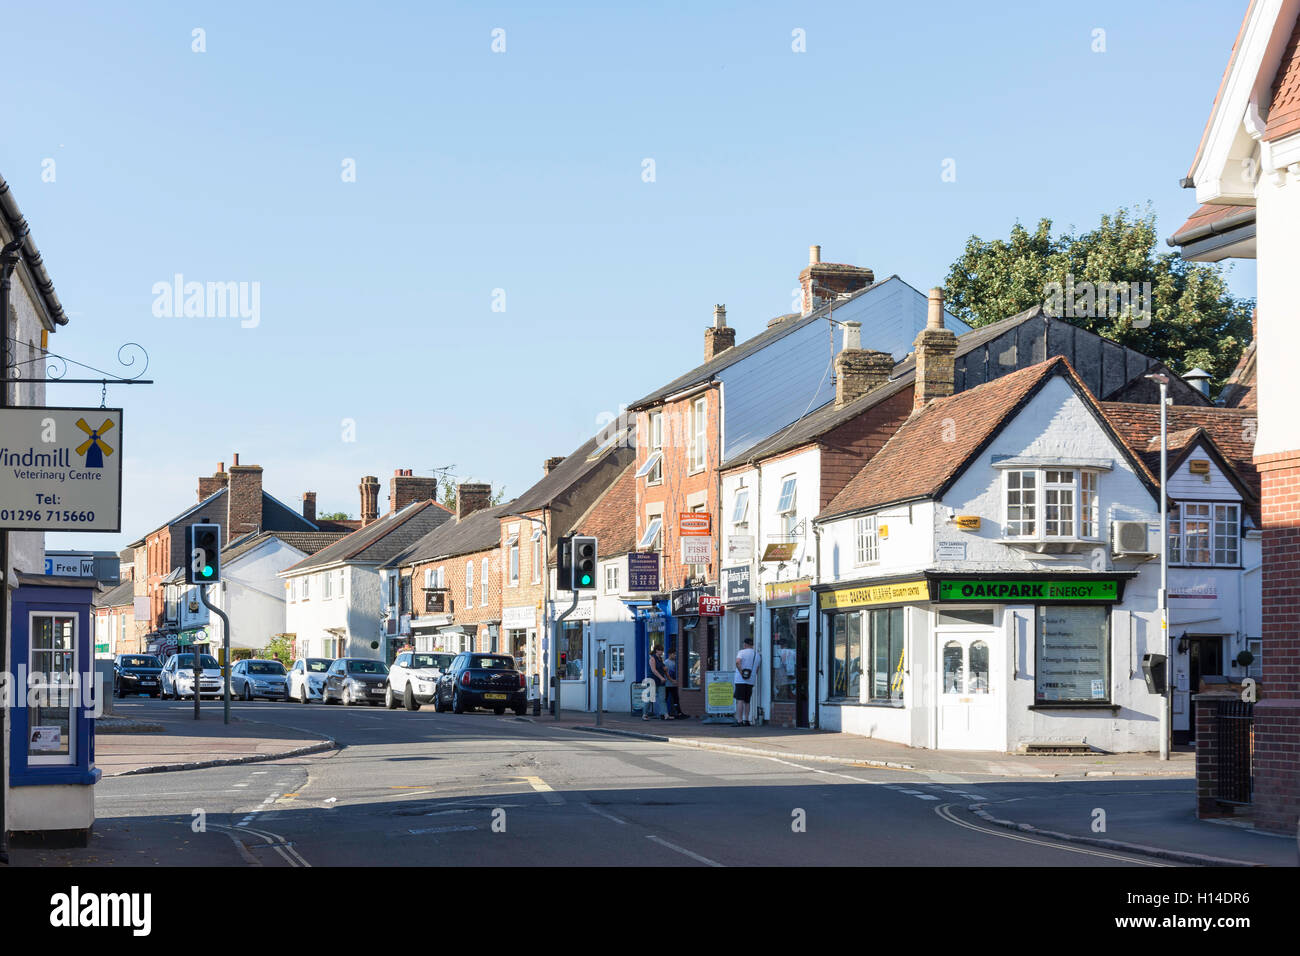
(1165,716)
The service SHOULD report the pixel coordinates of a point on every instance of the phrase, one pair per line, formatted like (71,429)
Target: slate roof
(479,531)
(621,437)
(118,596)
(380,540)
(308,542)
(276,516)
(612,517)
(926,455)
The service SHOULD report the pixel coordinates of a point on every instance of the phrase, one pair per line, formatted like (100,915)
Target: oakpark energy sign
(61,469)
(1047,591)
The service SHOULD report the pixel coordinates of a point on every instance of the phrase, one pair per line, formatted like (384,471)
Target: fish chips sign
(61,469)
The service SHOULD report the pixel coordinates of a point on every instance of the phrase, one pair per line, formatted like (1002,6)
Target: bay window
(1205,533)
(1051,503)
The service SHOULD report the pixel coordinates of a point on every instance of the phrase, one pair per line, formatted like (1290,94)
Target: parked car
(178,677)
(355,680)
(482,680)
(259,678)
(414,677)
(307,677)
(136,674)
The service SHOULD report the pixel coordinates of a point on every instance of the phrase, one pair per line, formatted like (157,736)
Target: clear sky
(524,171)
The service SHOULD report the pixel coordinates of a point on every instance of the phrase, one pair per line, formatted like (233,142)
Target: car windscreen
(186,661)
(440,661)
(140,662)
(318,665)
(266,667)
(493,663)
(367,667)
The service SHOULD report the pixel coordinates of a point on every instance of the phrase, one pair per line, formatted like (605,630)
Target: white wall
(356,612)
(1277,217)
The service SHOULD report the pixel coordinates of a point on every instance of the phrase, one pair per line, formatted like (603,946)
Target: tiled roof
(1210,219)
(1232,431)
(1284,110)
(1239,391)
(118,596)
(380,540)
(276,516)
(927,453)
(308,542)
(619,440)
(479,531)
(612,517)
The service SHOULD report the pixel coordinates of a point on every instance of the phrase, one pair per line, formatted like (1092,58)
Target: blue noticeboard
(643,571)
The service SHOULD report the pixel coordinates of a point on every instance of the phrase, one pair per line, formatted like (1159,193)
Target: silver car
(259,678)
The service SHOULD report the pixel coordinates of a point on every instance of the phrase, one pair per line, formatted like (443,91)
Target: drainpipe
(9,258)
(817,643)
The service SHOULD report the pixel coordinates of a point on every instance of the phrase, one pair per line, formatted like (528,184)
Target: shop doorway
(788,667)
(968,717)
(1204,659)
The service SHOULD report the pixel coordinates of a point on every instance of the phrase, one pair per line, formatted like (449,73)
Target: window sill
(1053,545)
(1077,705)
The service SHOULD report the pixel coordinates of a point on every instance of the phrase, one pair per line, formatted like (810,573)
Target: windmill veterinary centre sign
(61,469)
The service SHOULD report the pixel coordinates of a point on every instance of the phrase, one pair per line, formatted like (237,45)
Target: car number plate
(495,696)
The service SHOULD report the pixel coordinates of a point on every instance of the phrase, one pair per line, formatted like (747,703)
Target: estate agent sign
(61,469)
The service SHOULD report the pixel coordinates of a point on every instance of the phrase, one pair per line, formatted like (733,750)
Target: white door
(969,690)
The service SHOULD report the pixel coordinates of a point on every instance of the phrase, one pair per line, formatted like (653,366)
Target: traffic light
(204,541)
(584,563)
(564,564)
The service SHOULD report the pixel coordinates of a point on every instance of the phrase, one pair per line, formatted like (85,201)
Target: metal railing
(1234,727)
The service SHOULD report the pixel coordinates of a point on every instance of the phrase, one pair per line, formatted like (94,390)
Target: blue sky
(522,171)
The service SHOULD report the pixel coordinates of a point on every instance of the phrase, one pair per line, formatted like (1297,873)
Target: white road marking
(601,813)
(946,814)
(682,850)
(459,829)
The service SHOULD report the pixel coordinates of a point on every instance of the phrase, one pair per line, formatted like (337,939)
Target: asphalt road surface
(423,789)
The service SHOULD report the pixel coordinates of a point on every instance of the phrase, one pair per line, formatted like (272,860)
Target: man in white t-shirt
(746,672)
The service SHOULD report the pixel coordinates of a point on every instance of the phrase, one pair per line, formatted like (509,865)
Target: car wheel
(302,694)
(437,705)
(498,711)
(248,692)
(347,696)
(389,700)
(521,710)
(410,701)
(457,705)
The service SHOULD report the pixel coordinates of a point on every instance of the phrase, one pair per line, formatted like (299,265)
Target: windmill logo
(94,447)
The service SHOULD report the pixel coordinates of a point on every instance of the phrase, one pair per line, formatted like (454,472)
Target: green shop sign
(1033,591)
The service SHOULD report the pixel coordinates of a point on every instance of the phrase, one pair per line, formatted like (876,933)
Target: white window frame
(617,661)
(512,547)
(1206,515)
(537,556)
(327,586)
(653,538)
(611,588)
(469,583)
(699,433)
(653,470)
(483,583)
(740,511)
(787,505)
(306,587)
(1079,496)
(867,538)
(56,760)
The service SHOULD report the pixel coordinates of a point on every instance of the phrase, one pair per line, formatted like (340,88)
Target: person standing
(660,679)
(672,697)
(746,673)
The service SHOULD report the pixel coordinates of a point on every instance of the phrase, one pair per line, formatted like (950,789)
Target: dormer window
(1205,534)
(1051,504)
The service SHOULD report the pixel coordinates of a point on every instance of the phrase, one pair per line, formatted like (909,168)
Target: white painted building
(971,596)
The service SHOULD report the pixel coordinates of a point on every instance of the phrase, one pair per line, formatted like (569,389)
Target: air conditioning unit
(1130,538)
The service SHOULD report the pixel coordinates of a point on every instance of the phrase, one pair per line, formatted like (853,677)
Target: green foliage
(447,492)
(280,648)
(336,516)
(1194,320)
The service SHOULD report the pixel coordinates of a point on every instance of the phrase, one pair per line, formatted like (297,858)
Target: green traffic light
(207,571)
(586,579)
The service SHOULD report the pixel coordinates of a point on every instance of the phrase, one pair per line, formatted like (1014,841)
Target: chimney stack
(551,464)
(935,348)
(210,486)
(309,506)
(404,488)
(244,500)
(471,498)
(369,499)
(719,338)
(859,370)
(821,281)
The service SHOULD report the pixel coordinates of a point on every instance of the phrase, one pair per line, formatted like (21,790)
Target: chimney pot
(719,316)
(221,467)
(852,336)
(935,348)
(551,464)
(814,255)
(934,317)
(236,461)
(369,499)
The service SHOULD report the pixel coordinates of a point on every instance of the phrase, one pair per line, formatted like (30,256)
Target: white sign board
(950,551)
(46,738)
(69,567)
(697,550)
(719,693)
(61,469)
(740,549)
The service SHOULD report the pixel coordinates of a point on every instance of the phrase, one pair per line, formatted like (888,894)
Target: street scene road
(476,789)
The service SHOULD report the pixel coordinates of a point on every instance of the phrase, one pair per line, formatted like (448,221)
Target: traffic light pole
(225,646)
(555,650)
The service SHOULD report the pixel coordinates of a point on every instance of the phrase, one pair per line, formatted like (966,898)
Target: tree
(336,516)
(280,648)
(1179,312)
(447,493)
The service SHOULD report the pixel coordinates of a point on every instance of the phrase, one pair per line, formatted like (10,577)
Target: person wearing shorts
(743,681)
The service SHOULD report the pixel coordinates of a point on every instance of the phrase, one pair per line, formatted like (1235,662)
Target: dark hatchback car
(355,680)
(482,680)
(137,674)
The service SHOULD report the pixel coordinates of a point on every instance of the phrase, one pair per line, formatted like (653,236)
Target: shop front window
(846,655)
(696,633)
(887,655)
(783,665)
(53,661)
(571,645)
(1072,654)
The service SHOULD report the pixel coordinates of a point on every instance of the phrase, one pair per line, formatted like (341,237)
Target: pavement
(188,744)
(858,751)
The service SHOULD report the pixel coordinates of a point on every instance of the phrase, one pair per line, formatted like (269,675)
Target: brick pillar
(721,337)
(1277,715)
(244,500)
(309,505)
(1207,760)
(935,348)
(369,499)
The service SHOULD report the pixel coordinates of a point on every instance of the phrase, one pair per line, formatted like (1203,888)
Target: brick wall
(243,501)
(1277,715)
(850,446)
(454,578)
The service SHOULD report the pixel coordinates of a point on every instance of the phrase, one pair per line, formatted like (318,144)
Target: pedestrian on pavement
(660,679)
(673,698)
(746,673)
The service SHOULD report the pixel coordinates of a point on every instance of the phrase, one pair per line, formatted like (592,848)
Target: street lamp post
(1165,716)
(546,594)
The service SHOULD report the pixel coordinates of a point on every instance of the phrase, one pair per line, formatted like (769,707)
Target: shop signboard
(719,694)
(894,592)
(61,469)
(780,551)
(697,550)
(694,524)
(643,572)
(686,602)
(740,548)
(738,585)
(710,606)
(786,591)
(1031,591)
